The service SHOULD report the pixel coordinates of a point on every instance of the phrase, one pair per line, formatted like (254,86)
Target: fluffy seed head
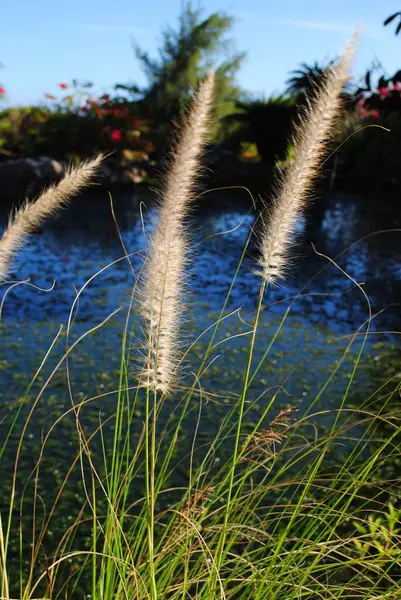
(27,218)
(162,287)
(309,141)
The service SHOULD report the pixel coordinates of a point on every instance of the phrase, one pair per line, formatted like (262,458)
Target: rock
(27,176)
(49,167)
(18,176)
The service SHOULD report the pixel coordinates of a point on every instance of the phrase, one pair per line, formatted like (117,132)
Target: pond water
(346,240)
(348,229)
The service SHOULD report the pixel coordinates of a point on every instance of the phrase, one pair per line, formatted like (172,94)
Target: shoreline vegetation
(250,141)
(26,177)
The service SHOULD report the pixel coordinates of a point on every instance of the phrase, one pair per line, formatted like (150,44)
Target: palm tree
(187,52)
(391,18)
(307,78)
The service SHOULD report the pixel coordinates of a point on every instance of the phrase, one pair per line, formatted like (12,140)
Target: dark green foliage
(266,123)
(70,129)
(19,131)
(390,19)
(373,154)
(186,54)
(383,97)
(307,78)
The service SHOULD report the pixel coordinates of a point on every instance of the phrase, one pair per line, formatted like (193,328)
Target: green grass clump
(268,498)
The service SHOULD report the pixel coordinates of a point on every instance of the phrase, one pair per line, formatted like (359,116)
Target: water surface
(344,275)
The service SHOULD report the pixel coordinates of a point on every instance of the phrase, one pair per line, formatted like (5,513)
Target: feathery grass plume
(27,218)
(309,141)
(162,287)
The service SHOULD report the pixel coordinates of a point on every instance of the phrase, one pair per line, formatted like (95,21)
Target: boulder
(27,176)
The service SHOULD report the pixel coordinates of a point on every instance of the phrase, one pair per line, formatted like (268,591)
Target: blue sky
(44,42)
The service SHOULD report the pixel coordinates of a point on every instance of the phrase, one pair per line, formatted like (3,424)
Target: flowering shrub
(75,125)
(370,155)
(20,131)
(380,101)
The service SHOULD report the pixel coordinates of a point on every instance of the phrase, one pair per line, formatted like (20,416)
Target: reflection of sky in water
(83,240)
(340,222)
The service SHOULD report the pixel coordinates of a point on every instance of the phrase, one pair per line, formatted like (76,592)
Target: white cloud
(320,25)
(342,28)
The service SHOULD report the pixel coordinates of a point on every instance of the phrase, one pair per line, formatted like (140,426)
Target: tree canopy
(307,78)
(266,123)
(185,55)
(390,19)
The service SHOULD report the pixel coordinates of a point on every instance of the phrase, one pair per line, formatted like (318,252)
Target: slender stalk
(220,548)
(3,565)
(150,486)
(162,289)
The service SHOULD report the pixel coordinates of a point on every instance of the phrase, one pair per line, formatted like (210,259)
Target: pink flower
(375,114)
(63,86)
(116,136)
(84,109)
(363,113)
(50,96)
(384,92)
(361,103)
(2,91)
(397,86)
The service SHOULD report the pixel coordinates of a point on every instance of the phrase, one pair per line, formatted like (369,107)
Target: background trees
(133,122)
(186,53)
(267,123)
(307,77)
